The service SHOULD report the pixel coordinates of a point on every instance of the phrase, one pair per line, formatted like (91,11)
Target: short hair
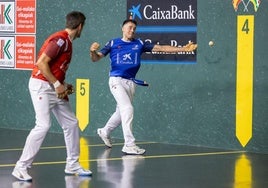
(74,19)
(129,20)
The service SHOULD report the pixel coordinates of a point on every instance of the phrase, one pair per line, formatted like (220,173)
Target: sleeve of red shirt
(53,48)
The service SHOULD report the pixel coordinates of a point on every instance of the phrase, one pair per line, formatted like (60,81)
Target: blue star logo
(135,12)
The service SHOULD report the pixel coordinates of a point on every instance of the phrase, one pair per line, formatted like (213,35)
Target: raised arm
(166,48)
(94,55)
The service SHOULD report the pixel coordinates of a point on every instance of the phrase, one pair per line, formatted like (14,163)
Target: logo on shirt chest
(135,47)
(127,57)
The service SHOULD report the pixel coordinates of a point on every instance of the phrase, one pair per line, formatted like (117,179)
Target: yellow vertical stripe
(243,173)
(82,102)
(84,153)
(244,79)
(84,161)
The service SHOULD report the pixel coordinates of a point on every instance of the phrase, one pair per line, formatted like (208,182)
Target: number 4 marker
(244,78)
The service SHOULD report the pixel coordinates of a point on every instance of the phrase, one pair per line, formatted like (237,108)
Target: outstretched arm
(94,55)
(166,48)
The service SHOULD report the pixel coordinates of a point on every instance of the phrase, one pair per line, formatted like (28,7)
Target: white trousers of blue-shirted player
(123,91)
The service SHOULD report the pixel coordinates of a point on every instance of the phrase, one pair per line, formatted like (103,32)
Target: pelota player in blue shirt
(125,54)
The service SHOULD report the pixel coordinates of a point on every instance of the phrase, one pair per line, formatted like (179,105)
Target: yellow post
(244,78)
(82,102)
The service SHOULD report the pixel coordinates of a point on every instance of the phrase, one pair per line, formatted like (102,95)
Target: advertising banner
(166,22)
(17,34)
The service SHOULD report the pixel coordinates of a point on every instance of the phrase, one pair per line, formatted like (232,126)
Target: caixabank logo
(245,4)
(166,22)
(166,12)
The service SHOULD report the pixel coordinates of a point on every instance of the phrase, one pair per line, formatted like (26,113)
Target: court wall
(185,104)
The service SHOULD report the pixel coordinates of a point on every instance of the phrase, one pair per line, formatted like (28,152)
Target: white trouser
(123,91)
(45,101)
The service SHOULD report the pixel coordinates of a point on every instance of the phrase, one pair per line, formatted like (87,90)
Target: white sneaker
(78,172)
(133,150)
(106,139)
(21,174)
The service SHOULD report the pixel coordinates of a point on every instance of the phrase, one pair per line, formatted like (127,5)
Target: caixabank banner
(169,22)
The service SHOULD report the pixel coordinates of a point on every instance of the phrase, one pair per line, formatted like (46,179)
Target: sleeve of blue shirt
(107,48)
(147,47)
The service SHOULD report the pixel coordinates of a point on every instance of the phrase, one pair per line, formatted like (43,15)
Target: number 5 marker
(82,102)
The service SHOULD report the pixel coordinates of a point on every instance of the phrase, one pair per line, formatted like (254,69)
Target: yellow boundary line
(131,158)
(63,147)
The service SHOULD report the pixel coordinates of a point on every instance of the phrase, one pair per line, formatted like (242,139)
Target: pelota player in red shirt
(49,94)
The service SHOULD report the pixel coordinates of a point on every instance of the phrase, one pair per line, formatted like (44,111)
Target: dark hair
(129,20)
(74,19)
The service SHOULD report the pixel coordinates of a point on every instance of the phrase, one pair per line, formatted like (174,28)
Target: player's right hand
(94,46)
(60,91)
(190,47)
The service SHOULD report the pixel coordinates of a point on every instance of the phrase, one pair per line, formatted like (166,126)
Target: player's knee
(41,129)
(74,123)
(127,109)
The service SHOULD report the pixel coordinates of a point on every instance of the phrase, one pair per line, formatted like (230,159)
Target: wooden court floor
(163,165)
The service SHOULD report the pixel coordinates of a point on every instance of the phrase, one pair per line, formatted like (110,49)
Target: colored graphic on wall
(17,34)
(245,69)
(7,57)
(166,23)
(245,4)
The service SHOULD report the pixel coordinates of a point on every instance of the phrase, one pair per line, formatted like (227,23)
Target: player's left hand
(69,89)
(94,47)
(190,47)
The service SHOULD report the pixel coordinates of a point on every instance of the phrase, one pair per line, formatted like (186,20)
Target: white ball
(211,43)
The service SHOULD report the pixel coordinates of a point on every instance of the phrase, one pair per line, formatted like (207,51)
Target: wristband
(57,84)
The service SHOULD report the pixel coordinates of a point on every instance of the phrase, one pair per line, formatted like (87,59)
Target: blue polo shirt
(125,56)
